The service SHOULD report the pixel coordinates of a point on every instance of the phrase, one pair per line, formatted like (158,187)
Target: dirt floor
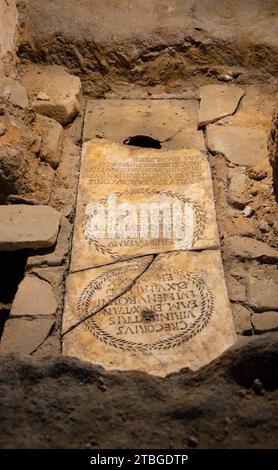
(64,403)
(138,50)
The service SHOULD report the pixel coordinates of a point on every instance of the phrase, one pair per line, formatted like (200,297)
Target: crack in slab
(174,135)
(43,341)
(111,263)
(127,289)
(203,125)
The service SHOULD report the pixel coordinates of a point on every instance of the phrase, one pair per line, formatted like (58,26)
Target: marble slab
(155,314)
(113,176)
(173,122)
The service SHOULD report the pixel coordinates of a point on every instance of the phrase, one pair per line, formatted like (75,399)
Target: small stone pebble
(193,441)
(2,131)
(42,96)
(257,386)
(247,212)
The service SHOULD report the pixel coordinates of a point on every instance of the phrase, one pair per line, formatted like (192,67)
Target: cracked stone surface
(217,102)
(34,297)
(155,303)
(240,145)
(140,176)
(24,335)
(172,122)
(242,137)
(176,314)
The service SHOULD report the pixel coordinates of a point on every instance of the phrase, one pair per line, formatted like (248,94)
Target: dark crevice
(11,274)
(144,141)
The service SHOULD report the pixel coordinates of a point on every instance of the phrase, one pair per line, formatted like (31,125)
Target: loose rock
(24,226)
(262,294)
(237,194)
(260,171)
(25,335)
(265,322)
(248,248)
(54,92)
(14,92)
(240,145)
(54,256)
(242,317)
(51,133)
(34,297)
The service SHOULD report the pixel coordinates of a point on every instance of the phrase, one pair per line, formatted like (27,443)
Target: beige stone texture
(174,314)
(51,134)
(173,122)
(24,335)
(218,101)
(62,93)
(34,297)
(140,176)
(243,137)
(265,322)
(14,92)
(24,226)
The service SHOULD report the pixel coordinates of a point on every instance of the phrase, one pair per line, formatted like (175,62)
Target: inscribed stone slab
(174,314)
(140,177)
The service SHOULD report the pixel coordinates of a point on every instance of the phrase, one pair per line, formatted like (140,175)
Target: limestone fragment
(24,226)
(265,322)
(240,145)
(14,92)
(263,294)
(34,298)
(24,335)
(51,134)
(53,256)
(54,92)
(242,318)
(248,248)
(217,102)
(237,194)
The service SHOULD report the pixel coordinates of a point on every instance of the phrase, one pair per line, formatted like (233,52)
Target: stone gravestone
(146,288)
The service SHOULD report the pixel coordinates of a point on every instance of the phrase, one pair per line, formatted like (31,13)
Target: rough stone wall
(8,33)
(273,151)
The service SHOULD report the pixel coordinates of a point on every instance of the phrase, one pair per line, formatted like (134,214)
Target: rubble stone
(24,226)
(51,134)
(265,322)
(62,89)
(34,297)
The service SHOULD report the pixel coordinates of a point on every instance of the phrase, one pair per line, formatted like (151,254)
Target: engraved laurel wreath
(206,311)
(199,218)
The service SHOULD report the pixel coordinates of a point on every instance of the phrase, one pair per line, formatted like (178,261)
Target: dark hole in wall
(12,269)
(144,141)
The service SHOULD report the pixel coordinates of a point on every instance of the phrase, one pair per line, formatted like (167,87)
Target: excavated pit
(148,69)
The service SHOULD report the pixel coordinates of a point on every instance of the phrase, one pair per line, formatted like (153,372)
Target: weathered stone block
(23,226)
